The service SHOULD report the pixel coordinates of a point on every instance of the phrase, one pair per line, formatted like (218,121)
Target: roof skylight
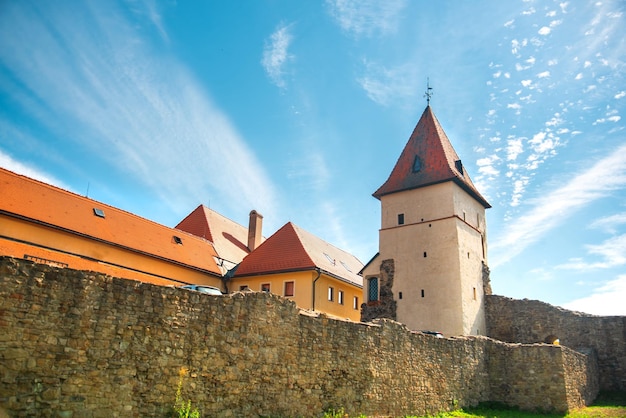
(98,212)
(332,260)
(177,240)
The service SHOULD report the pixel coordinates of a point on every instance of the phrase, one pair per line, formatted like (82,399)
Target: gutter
(319,274)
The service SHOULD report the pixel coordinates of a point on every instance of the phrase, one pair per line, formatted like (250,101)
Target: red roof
(44,204)
(294,249)
(228,237)
(428,158)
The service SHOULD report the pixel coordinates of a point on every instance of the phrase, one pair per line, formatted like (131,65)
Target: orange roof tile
(228,237)
(428,158)
(51,206)
(294,249)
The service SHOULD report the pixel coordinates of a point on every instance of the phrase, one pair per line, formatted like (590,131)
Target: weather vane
(429,91)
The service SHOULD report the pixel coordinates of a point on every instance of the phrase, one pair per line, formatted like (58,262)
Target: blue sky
(300,109)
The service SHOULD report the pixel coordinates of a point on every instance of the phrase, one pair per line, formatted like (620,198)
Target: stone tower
(431,270)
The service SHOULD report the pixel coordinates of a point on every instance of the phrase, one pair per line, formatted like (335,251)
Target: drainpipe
(319,273)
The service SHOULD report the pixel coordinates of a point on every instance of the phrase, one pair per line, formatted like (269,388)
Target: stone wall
(80,344)
(530,321)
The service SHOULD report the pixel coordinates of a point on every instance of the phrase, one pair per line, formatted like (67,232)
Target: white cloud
(9,163)
(612,253)
(604,177)
(140,110)
(606,300)
(620,95)
(514,148)
(543,74)
(387,85)
(276,55)
(609,223)
(366,17)
(544,31)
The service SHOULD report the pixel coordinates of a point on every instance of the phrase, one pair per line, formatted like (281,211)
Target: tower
(430,272)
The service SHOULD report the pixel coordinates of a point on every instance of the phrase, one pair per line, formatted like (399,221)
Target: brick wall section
(79,344)
(530,321)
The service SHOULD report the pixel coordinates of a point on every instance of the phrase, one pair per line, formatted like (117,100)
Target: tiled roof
(294,249)
(49,205)
(428,158)
(228,237)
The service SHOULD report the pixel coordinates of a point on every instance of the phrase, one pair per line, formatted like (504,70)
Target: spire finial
(429,91)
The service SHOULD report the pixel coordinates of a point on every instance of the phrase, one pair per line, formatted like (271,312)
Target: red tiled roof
(228,237)
(49,205)
(294,249)
(438,162)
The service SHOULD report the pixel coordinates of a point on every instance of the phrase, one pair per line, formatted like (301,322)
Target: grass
(607,405)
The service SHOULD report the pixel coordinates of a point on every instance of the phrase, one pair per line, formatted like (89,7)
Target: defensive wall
(530,321)
(81,344)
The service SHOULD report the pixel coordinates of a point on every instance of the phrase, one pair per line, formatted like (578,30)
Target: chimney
(255,228)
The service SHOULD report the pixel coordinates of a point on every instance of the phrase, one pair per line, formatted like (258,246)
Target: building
(300,266)
(47,224)
(431,269)
(50,225)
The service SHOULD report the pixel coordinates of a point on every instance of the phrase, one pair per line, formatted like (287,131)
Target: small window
(265,287)
(422,292)
(340,297)
(399,295)
(459,166)
(355,302)
(177,240)
(417,164)
(372,289)
(331,294)
(289,288)
(401,219)
(425,255)
(244,287)
(98,212)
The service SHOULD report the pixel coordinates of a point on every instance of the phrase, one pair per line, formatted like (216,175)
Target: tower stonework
(433,228)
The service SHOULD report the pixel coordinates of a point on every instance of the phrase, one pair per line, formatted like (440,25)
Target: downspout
(319,274)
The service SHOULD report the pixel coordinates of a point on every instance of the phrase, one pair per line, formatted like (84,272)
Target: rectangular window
(243,287)
(340,297)
(355,302)
(331,294)
(265,287)
(401,219)
(372,289)
(289,288)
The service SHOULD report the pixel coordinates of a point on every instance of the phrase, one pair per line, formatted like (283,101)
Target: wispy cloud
(612,253)
(94,70)
(604,177)
(366,17)
(386,85)
(276,54)
(9,163)
(605,300)
(609,223)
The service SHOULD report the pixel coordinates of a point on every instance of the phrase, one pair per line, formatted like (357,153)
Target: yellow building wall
(303,292)
(82,253)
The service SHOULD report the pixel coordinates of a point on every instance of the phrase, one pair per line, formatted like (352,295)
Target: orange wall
(88,254)
(303,292)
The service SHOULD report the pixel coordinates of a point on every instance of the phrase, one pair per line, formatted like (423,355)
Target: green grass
(607,405)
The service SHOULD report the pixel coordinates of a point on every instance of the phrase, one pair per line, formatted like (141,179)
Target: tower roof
(428,158)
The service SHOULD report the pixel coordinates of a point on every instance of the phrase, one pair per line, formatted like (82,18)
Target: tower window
(422,292)
(417,164)
(459,166)
(474,289)
(372,289)
(399,295)
(401,219)
(425,255)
